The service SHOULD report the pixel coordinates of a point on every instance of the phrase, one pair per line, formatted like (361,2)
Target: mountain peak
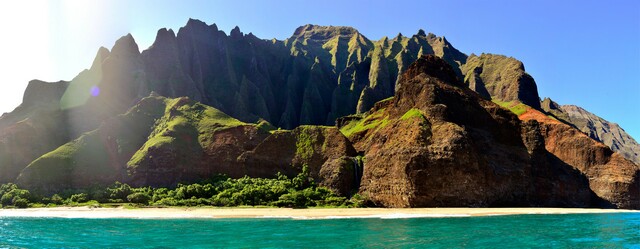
(195,25)
(164,35)
(126,45)
(236,33)
(102,54)
(549,104)
(195,22)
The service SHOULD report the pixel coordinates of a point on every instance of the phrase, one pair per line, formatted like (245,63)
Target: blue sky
(580,52)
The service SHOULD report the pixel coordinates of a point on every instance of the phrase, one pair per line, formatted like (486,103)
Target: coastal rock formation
(418,124)
(437,143)
(611,134)
(611,176)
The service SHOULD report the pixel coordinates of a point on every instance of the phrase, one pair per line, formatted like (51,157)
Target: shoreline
(285,213)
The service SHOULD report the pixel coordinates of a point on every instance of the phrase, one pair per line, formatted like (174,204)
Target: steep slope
(32,129)
(611,134)
(97,157)
(500,78)
(162,142)
(436,143)
(611,176)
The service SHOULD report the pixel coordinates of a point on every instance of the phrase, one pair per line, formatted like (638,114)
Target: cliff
(610,134)
(437,143)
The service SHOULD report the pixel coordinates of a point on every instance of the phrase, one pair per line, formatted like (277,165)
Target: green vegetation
(304,143)
(413,113)
(191,121)
(265,126)
(373,121)
(513,106)
(221,191)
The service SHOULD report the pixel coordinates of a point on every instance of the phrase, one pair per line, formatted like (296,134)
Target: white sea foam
(373,216)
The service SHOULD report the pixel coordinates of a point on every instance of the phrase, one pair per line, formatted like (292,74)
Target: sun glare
(24,48)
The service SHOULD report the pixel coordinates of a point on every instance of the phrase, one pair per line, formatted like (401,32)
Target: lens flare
(95,91)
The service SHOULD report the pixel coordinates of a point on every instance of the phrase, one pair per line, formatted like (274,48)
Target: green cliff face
(501,78)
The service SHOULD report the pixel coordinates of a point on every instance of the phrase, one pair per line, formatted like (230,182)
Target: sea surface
(514,231)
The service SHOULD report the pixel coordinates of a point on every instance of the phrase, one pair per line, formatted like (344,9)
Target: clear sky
(580,52)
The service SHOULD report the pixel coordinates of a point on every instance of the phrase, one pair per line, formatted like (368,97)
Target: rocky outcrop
(611,176)
(327,152)
(500,78)
(43,93)
(611,134)
(439,144)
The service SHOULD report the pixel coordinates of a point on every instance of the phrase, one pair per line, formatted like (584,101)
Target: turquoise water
(530,231)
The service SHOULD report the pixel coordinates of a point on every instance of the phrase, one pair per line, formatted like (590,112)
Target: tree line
(222,191)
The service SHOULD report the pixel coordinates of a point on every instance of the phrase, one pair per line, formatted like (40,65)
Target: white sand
(310,213)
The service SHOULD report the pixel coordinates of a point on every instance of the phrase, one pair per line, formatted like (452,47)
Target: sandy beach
(310,213)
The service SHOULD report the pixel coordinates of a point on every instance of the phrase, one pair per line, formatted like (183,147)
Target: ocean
(616,230)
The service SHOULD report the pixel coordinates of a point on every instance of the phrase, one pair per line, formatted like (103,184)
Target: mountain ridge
(317,76)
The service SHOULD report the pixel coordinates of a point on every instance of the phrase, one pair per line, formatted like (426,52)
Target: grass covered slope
(162,142)
(123,145)
(181,143)
(96,156)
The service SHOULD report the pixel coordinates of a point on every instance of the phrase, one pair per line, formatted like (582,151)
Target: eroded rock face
(327,152)
(438,144)
(611,134)
(612,177)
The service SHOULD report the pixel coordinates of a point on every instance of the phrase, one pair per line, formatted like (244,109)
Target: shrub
(56,199)
(119,191)
(20,202)
(6,188)
(333,201)
(139,198)
(78,198)
(295,199)
(222,201)
(168,201)
(7,197)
